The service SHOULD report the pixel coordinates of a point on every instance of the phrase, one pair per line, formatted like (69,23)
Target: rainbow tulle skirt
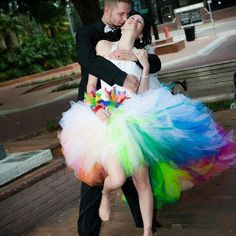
(172,134)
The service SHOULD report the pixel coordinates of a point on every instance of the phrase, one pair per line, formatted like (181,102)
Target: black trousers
(89,222)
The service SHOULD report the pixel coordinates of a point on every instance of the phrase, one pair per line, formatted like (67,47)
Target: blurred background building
(163,10)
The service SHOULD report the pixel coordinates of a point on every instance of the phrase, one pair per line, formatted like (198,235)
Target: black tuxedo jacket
(87,38)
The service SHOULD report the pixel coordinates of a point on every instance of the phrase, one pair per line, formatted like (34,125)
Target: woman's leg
(114,180)
(131,196)
(142,184)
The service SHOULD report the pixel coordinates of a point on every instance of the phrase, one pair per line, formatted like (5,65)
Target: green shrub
(37,54)
(219,106)
(66,86)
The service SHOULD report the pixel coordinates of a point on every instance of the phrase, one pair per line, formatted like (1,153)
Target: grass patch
(66,86)
(37,82)
(219,106)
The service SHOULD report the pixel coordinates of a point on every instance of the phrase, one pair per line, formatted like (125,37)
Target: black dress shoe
(156,225)
(139,224)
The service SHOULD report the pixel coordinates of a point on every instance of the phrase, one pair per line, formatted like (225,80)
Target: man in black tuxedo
(114,16)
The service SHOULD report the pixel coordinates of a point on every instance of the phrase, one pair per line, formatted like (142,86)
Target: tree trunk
(11,40)
(89,10)
(2,42)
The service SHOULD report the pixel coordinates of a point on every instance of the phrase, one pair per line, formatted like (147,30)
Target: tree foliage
(46,11)
(12,30)
(37,54)
(20,18)
(88,10)
(26,42)
(43,11)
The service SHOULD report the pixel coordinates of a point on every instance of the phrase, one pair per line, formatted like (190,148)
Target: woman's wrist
(146,70)
(144,76)
(145,73)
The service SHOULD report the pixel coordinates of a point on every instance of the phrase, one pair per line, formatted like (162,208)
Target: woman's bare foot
(105,208)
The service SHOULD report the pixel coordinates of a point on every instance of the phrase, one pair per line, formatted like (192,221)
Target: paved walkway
(208,209)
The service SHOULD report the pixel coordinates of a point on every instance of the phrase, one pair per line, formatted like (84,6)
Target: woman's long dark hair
(146,39)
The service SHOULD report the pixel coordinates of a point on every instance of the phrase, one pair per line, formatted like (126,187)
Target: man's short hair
(114,2)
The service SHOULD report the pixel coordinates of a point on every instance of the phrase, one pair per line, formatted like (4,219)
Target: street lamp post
(212,20)
(68,14)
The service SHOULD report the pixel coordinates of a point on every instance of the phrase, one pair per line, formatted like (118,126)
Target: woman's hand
(131,83)
(124,55)
(142,56)
(103,114)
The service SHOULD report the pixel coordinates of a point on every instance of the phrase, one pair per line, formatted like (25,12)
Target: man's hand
(122,55)
(131,83)
(103,114)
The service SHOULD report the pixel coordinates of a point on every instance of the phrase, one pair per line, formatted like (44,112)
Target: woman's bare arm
(103,48)
(142,56)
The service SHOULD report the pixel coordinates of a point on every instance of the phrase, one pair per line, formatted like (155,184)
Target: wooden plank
(210,87)
(24,223)
(215,98)
(171,77)
(222,77)
(208,67)
(41,204)
(216,89)
(213,83)
(226,89)
(24,197)
(30,178)
(212,97)
(219,78)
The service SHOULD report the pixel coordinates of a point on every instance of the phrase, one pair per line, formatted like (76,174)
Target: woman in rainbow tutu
(167,143)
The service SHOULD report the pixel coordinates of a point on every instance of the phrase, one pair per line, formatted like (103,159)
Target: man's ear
(107,10)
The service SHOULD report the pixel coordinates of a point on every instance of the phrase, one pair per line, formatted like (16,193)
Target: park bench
(208,83)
